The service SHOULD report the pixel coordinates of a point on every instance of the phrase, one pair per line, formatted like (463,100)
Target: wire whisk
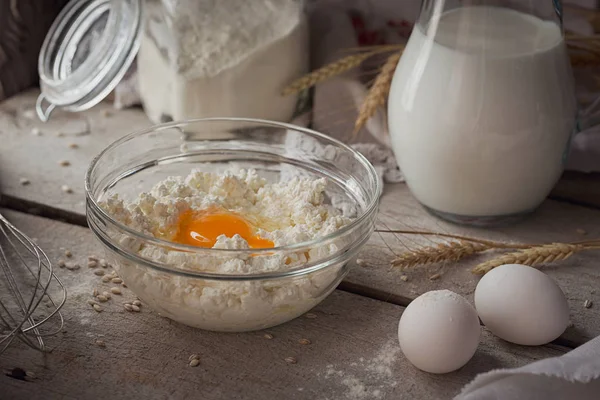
(26,280)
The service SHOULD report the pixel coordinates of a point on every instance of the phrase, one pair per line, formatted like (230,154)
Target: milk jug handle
(589,116)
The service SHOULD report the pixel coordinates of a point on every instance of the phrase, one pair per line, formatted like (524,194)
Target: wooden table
(354,351)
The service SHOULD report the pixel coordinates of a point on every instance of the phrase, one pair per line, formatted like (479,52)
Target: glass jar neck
(548,10)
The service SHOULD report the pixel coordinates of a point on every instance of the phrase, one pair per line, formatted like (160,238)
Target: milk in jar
(481,110)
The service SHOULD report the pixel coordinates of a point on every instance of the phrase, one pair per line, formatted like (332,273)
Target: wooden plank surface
(353,355)
(23,154)
(37,158)
(579,188)
(579,276)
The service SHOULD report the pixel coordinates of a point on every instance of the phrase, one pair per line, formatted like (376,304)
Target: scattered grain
(68,253)
(128,307)
(304,341)
(268,336)
(66,189)
(117,280)
(100,343)
(291,360)
(29,113)
(115,290)
(137,303)
(99,272)
(72,266)
(101,298)
(135,308)
(106,294)
(64,163)
(30,374)
(588,304)
(61,264)
(24,181)
(91,302)
(60,134)
(103,263)
(404,278)
(92,264)
(73,146)
(361,263)
(194,363)
(97,307)
(194,357)
(435,277)
(311,315)
(124,285)
(92,258)
(95,292)
(36,132)
(105,278)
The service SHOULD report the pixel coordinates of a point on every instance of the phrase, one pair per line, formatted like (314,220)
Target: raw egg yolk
(203,228)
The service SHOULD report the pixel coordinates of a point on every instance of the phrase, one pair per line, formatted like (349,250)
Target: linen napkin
(573,376)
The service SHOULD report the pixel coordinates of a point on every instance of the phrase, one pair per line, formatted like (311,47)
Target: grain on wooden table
(150,353)
(22,157)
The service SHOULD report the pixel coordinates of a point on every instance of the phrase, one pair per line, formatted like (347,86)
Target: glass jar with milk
(482,107)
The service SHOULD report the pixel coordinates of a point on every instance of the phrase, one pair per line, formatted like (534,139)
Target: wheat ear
(533,256)
(378,93)
(335,68)
(451,251)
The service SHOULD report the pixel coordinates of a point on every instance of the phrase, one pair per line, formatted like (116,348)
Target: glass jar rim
(79,87)
(371,207)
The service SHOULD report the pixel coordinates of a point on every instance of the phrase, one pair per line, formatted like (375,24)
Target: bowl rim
(93,203)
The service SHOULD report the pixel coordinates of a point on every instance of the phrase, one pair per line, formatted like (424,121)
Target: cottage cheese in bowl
(280,214)
(231,234)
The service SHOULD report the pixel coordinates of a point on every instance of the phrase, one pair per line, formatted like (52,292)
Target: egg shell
(439,331)
(522,305)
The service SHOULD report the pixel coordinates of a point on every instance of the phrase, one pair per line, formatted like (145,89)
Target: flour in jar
(235,211)
(208,58)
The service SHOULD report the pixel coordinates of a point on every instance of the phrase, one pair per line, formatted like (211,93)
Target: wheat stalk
(333,69)
(451,251)
(490,243)
(545,253)
(462,246)
(378,93)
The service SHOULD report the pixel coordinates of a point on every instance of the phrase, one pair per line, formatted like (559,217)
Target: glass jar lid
(87,51)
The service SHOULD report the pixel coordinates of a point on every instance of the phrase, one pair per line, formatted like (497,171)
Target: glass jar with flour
(482,107)
(195,58)
(209,58)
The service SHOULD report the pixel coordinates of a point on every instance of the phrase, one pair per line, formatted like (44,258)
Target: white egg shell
(439,331)
(522,305)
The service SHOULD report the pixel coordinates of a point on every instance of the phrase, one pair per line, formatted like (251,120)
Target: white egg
(522,305)
(439,331)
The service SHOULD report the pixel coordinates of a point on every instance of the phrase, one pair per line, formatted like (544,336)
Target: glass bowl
(222,301)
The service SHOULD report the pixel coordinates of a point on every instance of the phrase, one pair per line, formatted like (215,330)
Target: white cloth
(575,375)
